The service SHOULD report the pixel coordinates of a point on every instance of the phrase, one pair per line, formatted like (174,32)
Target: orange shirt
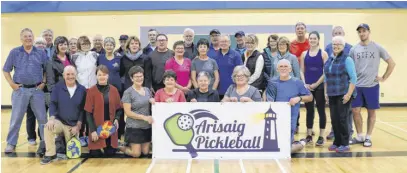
(296,48)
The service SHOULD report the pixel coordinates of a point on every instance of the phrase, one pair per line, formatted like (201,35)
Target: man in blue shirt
(66,112)
(152,38)
(338,31)
(288,89)
(48,36)
(27,83)
(227,59)
(240,47)
(214,46)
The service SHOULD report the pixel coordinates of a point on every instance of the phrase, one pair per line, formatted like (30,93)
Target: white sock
(360,137)
(368,137)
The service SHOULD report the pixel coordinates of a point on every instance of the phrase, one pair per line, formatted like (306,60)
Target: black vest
(251,65)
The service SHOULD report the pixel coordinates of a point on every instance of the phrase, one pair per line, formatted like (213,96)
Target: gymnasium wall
(386,25)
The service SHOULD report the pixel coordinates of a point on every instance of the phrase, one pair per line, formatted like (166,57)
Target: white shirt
(71,90)
(86,67)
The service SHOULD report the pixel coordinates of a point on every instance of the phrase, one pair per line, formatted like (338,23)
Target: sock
(368,137)
(360,137)
(309,132)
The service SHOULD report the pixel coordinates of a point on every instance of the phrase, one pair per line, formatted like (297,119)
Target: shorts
(367,97)
(137,136)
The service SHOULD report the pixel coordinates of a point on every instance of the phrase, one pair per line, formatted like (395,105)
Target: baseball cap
(241,33)
(123,37)
(214,31)
(363,25)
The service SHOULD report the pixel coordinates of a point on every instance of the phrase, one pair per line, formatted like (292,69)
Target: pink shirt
(66,62)
(162,96)
(183,71)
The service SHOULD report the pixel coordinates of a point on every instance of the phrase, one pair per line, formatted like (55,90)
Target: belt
(30,86)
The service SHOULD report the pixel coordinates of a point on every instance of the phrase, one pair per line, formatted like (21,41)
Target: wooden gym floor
(388,154)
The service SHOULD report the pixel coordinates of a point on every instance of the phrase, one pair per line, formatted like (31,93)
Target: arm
(91,122)
(256,97)
(8,67)
(390,67)
(53,106)
(216,96)
(193,78)
(216,82)
(302,65)
(296,67)
(258,70)
(50,76)
(181,97)
(350,69)
(131,114)
(271,92)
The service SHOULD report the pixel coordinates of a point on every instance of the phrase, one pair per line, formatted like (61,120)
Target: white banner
(257,130)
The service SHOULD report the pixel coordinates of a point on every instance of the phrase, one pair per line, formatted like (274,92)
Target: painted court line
(189,166)
(392,126)
(242,166)
(151,166)
(280,166)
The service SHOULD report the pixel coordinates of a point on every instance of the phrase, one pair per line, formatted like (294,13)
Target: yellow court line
(280,166)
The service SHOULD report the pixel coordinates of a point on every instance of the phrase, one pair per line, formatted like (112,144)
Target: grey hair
(284,61)
(336,28)
(204,74)
(73,38)
(97,35)
(225,36)
(40,40)
(26,30)
(190,30)
(110,40)
(340,39)
(70,67)
(241,68)
(47,30)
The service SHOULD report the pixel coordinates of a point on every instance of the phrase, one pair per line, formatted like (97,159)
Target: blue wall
(54,6)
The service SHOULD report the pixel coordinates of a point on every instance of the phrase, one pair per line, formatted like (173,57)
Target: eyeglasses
(138,77)
(337,44)
(239,76)
(161,40)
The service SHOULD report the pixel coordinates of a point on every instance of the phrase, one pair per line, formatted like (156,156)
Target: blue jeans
(20,100)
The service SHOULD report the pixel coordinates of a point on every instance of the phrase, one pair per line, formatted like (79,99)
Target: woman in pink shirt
(169,93)
(181,66)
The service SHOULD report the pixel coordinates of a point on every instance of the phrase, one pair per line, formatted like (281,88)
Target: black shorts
(137,136)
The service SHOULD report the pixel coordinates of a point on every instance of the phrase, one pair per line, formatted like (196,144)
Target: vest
(337,79)
(251,65)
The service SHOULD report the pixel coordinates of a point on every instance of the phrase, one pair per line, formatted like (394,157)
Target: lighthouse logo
(201,131)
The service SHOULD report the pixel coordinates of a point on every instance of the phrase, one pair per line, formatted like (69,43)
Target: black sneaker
(308,139)
(48,159)
(320,141)
(367,143)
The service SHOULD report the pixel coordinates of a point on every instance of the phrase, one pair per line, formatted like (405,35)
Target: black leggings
(319,98)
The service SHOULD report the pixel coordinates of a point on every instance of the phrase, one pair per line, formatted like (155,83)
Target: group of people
(83,87)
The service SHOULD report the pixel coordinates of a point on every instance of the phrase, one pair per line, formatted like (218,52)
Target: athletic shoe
(61,156)
(48,159)
(355,141)
(332,147)
(367,143)
(32,142)
(10,149)
(308,139)
(342,149)
(320,141)
(330,136)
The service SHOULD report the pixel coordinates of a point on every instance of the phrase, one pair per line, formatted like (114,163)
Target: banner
(257,130)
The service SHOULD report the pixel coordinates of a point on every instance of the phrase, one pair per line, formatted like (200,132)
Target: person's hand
(149,119)
(233,99)
(379,79)
(294,100)
(345,99)
(116,123)
(313,86)
(184,89)
(308,87)
(169,100)
(15,86)
(41,86)
(95,136)
(194,100)
(75,130)
(245,99)
(50,125)
(326,99)
(152,101)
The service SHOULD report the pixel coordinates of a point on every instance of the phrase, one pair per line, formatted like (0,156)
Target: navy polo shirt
(226,64)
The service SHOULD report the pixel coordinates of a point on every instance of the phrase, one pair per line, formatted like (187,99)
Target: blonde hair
(284,40)
(135,38)
(241,68)
(252,38)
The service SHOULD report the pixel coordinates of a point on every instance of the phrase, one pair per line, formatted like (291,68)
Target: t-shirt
(282,91)
(208,65)
(183,71)
(71,90)
(252,93)
(367,61)
(297,48)
(162,96)
(140,105)
(158,60)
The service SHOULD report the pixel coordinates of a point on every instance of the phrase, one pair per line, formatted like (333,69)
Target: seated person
(203,93)
(241,91)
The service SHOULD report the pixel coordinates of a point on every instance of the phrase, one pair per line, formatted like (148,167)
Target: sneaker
(367,143)
(332,147)
(330,136)
(10,149)
(48,159)
(355,141)
(342,149)
(308,139)
(32,142)
(320,141)
(61,156)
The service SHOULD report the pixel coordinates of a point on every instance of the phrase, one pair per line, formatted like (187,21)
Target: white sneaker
(32,142)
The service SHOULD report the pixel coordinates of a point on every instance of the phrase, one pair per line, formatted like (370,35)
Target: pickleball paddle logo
(185,128)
